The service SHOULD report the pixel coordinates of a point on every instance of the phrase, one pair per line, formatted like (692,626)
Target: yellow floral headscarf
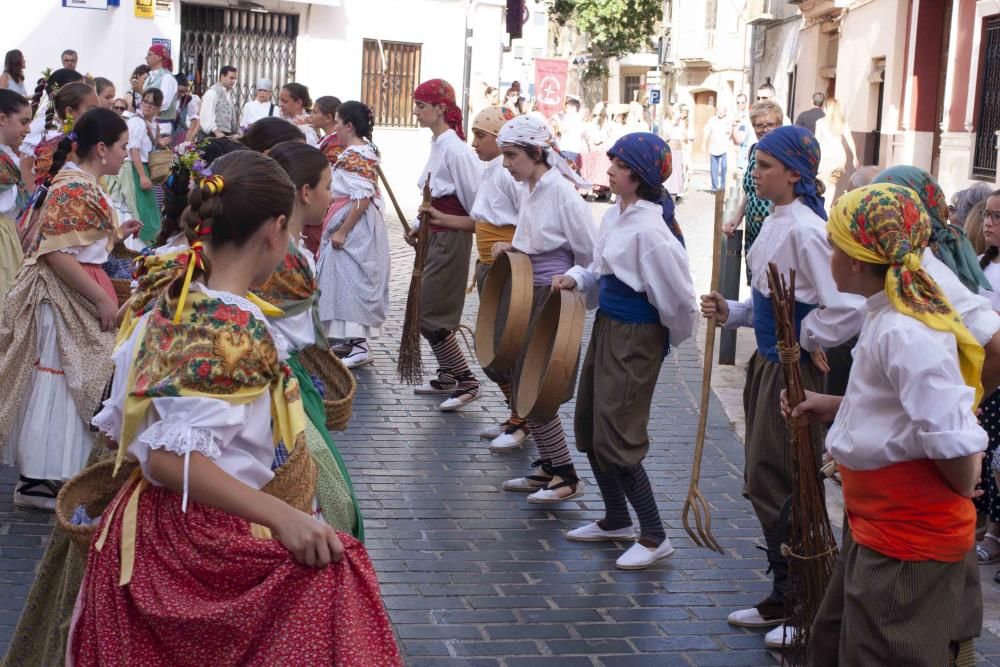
(885,224)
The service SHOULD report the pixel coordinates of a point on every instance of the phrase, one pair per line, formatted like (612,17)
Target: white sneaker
(512,438)
(358,356)
(459,398)
(554,496)
(524,484)
(639,557)
(593,533)
(751,618)
(491,432)
(780,637)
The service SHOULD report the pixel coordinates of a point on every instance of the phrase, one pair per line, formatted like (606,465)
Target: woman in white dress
(833,133)
(354,264)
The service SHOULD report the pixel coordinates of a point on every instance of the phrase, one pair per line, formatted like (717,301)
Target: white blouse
(992,272)
(454,169)
(905,397)
(498,197)
(238,438)
(794,237)
(138,136)
(8,197)
(299,329)
(554,216)
(347,183)
(637,247)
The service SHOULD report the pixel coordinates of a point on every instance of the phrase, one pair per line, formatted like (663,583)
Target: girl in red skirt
(193,564)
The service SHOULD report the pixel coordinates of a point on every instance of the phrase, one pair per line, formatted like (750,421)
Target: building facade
(372,50)
(919,80)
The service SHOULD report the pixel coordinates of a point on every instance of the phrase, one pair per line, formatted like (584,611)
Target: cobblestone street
(476,576)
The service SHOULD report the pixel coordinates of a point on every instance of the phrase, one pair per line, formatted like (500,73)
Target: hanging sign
(550,85)
(85,4)
(144,9)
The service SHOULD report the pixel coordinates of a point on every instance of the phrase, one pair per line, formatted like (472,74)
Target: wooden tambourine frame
(549,362)
(511,268)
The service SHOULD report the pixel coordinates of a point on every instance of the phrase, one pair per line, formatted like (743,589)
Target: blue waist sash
(765,328)
(622,303)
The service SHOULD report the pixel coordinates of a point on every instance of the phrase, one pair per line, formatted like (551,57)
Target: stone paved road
(476,576)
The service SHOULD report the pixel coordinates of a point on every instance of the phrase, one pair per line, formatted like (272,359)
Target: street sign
(164,41)
(86,4)
(653,76)
(654,95)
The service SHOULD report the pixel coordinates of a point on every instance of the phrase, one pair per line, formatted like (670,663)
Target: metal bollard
(729,281)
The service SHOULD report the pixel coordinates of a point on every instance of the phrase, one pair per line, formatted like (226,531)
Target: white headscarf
(530,131)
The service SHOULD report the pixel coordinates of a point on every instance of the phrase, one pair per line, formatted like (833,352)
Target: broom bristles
(812,548)
(410,367)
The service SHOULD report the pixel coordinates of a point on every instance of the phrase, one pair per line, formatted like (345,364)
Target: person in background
(120,106)
(963,201)
(69,59)
(188,121)
(296,105)
(833,134)
(137,83)
(715,141)
(571,131)
(863,176)
(513,99)
(973,229)
(218,108)
(105,92)
(808,118)
(161,77)
(324,118)
(268,132)
(742,136)
(261,106)
(143,137)
(13,72)
(676,131)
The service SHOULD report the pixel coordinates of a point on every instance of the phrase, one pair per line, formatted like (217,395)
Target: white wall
(111,43)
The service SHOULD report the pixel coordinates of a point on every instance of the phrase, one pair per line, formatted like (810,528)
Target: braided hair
(48,85)
(178,184)
(246,190)
(361,117)
(97,126)
(71,96)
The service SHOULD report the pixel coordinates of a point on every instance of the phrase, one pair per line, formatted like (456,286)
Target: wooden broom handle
(706,368)
(392,198)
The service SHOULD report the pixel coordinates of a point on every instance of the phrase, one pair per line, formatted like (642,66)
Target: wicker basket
(295,481)
(94,488)
(123,290)
(340,385)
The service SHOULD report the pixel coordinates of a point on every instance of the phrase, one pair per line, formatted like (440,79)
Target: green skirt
(141,203)
(334,490)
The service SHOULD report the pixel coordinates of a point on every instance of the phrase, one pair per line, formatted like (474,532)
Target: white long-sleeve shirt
(498,197)
(554,216)
(454,169)
(638,248)
(905,398)
(794,237)
(208,123)
(254,111)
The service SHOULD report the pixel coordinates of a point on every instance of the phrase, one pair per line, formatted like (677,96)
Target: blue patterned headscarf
(797,149)
(648,156)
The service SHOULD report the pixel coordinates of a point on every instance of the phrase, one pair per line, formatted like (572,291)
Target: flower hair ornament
(212,185)
(67,126)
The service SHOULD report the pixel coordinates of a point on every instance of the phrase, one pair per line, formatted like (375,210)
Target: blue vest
(622,303)
(765,328)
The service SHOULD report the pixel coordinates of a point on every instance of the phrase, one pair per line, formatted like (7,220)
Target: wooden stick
(694,499)
(392,198)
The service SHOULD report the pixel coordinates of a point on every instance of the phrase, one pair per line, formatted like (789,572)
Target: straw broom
(811,548)
(410,368)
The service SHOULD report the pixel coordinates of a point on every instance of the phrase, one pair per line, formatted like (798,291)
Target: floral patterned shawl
(75,213)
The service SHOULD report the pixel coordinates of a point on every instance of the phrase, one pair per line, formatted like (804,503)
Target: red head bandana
(439,91)
(161,50)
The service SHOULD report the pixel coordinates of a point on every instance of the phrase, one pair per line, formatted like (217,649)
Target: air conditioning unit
(759,11)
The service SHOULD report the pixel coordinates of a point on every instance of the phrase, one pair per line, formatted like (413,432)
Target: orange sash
(908,512)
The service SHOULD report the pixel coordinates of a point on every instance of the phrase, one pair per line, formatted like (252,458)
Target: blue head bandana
(648,156)
(797,149)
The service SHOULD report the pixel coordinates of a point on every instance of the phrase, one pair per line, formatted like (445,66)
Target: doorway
(704,108)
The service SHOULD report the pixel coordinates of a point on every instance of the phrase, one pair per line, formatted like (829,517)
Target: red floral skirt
(206,592)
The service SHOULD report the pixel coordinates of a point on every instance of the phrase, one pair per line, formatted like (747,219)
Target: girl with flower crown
(195,561)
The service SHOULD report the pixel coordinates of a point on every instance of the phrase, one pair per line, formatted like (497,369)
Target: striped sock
(550,438)
(635,483)
(508,393)
(449,356)
(615,506)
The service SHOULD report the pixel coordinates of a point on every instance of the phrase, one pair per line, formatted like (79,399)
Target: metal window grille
(257,45)
(984,162)
(389,73)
